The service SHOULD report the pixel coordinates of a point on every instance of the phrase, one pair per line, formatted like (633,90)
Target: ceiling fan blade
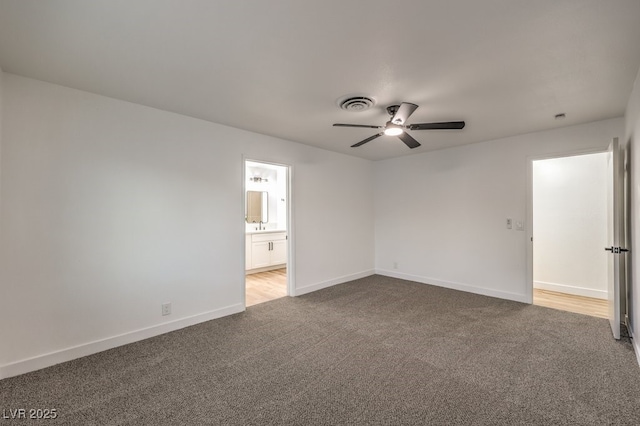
(447,125)
(357,125)
(369,139)
(409,140)
(404,111)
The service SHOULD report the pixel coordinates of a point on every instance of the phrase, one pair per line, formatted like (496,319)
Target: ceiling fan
(397,125)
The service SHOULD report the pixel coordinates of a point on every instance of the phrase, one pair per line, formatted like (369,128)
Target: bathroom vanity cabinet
(265,250)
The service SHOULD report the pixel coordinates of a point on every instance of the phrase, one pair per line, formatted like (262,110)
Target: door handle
(616,250)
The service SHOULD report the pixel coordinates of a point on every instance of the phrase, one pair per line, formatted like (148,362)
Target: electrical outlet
(509,226)
(166,309)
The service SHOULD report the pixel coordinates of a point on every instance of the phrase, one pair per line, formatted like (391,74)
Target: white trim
(529,229)
(572,289)
(291,248)
(243,296)
(68,354)
(634,343)
(330,283)
(455,286)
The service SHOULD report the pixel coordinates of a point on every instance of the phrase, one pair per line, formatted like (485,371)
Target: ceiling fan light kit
(397,125)
(392,129)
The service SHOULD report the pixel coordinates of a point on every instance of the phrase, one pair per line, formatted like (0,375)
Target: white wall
(110,209)
(570,225)
(1,115)
(441,215)
(280,198)
(632,142)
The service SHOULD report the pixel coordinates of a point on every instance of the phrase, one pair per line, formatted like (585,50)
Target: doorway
(569,230)
(267,218)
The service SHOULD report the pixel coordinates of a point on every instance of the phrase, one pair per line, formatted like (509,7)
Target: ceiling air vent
(356,103)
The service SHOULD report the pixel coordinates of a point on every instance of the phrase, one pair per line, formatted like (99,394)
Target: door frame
(289,224)
(529,228)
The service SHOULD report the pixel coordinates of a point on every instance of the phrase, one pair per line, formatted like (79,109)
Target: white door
(615,233)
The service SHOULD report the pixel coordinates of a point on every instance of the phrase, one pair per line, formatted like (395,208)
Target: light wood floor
(569,302)
(265,286)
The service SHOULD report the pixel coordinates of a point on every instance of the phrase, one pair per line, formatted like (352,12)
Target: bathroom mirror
(257,207)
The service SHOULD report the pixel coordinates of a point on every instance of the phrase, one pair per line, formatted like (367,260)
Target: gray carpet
(373,351)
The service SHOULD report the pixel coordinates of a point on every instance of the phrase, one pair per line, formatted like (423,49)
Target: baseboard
(571,289)
(635,343)
(455,286)
(64,355)
(340,280)
(264,269)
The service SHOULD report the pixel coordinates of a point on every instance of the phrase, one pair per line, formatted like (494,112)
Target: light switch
(519,225)
(509,223)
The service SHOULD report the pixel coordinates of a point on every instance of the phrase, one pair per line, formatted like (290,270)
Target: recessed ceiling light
(560,116)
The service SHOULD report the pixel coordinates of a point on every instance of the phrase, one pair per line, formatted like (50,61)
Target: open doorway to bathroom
(570,233)
(266,231)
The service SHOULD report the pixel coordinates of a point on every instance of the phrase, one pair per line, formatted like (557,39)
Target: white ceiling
(277,67)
